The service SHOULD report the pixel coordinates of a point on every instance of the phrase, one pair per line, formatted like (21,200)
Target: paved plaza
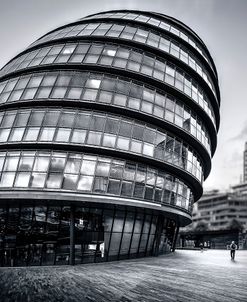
(183,276)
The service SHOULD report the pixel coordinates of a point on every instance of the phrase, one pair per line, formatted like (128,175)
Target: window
(88,167)
(78,136)
(123,143)
(63,135)
(94,138)
(114,187)
(22,179)
(47,134)
(31,134)
(54,181)
(16,134)
(7,179)
(102,169)
(109,140)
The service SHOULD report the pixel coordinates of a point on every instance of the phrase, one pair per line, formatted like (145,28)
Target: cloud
(241,135)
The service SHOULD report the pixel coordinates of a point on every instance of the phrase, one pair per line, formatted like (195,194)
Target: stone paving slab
(183,276)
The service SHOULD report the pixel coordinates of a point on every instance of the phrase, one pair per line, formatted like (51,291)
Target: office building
(108,126)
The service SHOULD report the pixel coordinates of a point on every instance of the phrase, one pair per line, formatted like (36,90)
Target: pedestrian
(233,248)
(201,246)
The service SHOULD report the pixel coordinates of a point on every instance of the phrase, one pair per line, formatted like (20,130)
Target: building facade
(108,126)
(218,218)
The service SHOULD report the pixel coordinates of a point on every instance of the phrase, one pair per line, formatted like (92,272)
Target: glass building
(107,129)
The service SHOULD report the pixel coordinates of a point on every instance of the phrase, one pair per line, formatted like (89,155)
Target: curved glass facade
(115,57)
(159,23)
(104,139)
(97,129)
(78,172)
(102,234)
(133,33)
(95,87)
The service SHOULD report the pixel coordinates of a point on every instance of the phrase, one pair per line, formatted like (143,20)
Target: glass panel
(26,164)
(37,180)
(78,136)
(88,167)
(7,179)
(31,134)
(57,164)
(47,134)
(85,183)
(102,169)
(109,140)
(123,143)
(21,119)
(22,179)
(36,118)
(51,118)
(41,164)
(54,181)
(126,188)
(94,138)
(113,187)
(72,166)
(4,134)
(16,134)
(69,182)
(100,185)
(63,135)
(11,164)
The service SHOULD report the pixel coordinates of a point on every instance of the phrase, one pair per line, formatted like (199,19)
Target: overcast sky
(222,25)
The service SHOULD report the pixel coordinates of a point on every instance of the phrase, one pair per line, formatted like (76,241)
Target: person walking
(233,248)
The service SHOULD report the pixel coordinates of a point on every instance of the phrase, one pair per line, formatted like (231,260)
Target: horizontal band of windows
(117,58)
(159,23)
(104,90)
(133,33)
(87,173)
(95,128)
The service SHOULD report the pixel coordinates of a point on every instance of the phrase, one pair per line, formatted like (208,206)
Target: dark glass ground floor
(45,234)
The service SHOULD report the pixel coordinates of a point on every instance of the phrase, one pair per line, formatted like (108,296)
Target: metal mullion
(66,160)
(56,126)
(18,219)
(13,124)
(59,229)
(87,129)
(98,236)
(73,125)
(13,186)
(72,236)
(175,236)
(109,245)
(155,235)
(95,29)
(94,175)
(4,161)
(132,233)
(6,127)
(6,226)
(149,231)
(108,177)
(31,171)
(54,55)
(29,117)
(48,168)
(144,218)
(45,229)
(41,125)
(125,215)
